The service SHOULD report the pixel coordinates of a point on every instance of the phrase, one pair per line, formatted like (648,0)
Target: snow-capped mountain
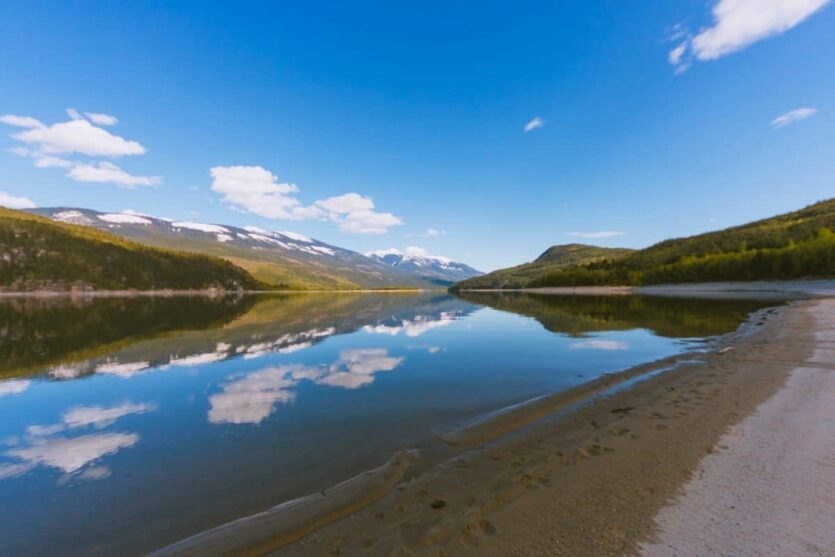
(276,257)
(418,261)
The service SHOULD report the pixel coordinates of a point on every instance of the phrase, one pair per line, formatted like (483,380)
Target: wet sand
(631,471)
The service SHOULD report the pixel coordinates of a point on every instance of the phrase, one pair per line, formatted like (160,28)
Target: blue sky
(368,125)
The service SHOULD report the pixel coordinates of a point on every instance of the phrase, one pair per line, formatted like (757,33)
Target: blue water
(155,419)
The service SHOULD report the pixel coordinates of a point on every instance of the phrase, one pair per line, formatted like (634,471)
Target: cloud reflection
(413,328)
(14,387)
(599,344)
(72,454)
(253,397)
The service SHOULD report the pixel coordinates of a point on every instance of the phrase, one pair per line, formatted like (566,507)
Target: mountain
(281,259)
(795,245)
(37,253)
(553,259)
(418,262)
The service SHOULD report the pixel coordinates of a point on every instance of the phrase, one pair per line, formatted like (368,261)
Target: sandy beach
(726,452)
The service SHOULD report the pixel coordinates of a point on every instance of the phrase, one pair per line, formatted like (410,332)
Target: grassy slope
(554,259)
(800,244)
(36,252)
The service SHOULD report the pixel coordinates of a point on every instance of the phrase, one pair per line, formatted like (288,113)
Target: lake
(129,423)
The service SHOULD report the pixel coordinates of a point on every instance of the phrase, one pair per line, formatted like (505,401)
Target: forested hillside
(553,259)
(795,245)
(37,253)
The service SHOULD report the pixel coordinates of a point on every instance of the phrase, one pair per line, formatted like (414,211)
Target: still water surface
(127,424)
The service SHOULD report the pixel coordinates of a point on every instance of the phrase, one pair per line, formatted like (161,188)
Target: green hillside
(295,274)
(553,259)
(37,253)
(794,245)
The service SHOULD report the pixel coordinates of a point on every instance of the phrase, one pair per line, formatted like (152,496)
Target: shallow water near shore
(128,424)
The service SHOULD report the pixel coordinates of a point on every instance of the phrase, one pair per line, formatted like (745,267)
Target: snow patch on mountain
(72,217)
(413,254)
(123,218)
(296,236)
(201,227)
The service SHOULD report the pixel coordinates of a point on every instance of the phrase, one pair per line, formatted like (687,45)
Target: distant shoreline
(185,293)
(817,287)
(813,288)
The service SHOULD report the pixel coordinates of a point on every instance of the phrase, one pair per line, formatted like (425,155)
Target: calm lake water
(127,424)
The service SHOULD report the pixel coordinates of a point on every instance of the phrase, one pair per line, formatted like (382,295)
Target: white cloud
(48,161)
(355,213)
(102,119)
(676,54)
(13,202)
(78,137)
(107,172)
(430,233)
(257,190)
(793,116)
(738,24)
(21,121)
(601,234)
(534,124)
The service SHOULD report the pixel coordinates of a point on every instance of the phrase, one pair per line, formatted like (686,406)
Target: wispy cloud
(429,233)
(793,116)
(256,190)
(102,119)
(738,24)
(13,202)
(61,144)
(534,124)
(601,234)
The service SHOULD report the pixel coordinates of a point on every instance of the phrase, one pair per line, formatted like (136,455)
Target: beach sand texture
(770,489)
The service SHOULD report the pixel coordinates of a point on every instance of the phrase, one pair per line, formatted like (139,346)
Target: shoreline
(567,476)
(207,293)
(815,288)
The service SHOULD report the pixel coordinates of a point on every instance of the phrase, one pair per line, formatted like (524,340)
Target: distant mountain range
(553,259)
(796,245)
(418,262)
(279,259)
